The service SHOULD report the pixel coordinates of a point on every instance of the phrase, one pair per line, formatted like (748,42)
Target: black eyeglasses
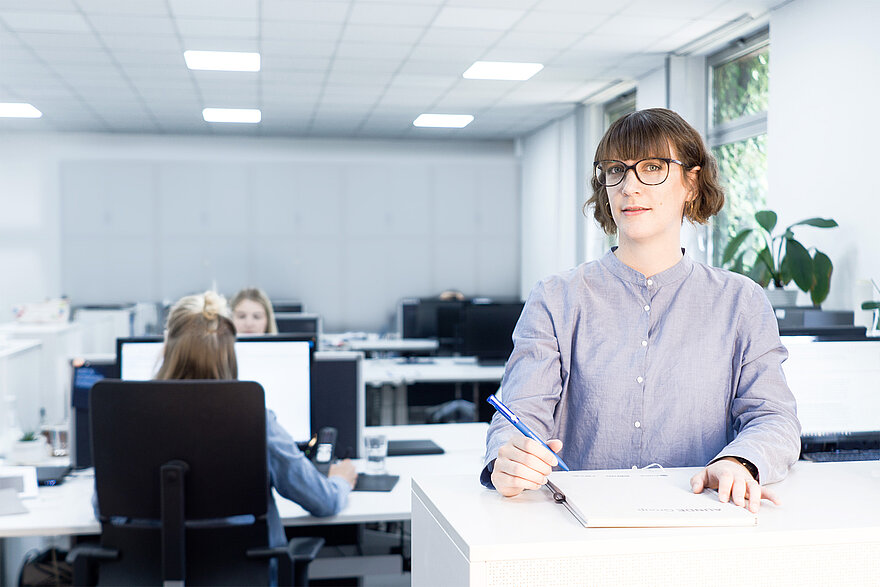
(651,171)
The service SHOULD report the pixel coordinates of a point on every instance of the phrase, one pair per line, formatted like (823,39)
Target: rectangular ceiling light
(443,120)
(502,70)
(222,60)
(18,110)
(249,115)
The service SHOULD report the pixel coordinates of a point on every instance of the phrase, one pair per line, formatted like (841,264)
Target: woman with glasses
(645,355)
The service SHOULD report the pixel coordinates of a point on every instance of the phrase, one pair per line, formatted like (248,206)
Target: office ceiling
(335,68)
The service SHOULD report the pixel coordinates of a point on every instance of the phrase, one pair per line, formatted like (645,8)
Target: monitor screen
(487,329)
(86,372)
(432,318)
(835,384)
(287,306)
(281,364)
(298,323)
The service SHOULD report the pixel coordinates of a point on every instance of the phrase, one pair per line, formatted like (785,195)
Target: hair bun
(215,305)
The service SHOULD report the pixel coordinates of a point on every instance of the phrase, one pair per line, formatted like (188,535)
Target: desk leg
(476,398)
(386,412)
(401,405)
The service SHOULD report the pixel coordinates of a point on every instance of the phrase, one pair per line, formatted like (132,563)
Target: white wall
(549,202)
(823,129)
(348,227)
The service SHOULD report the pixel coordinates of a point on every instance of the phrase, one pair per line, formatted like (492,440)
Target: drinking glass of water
(376,449)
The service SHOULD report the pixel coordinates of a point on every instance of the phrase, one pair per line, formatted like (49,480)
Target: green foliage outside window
(741,87)
(742,169)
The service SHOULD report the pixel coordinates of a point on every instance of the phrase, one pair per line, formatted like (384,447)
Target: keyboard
(862,454)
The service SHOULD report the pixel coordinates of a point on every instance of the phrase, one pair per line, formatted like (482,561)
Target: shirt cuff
(486,475)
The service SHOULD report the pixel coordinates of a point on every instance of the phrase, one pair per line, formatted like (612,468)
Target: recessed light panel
(222,60)
(247,115)
(502,70)
(443,120)
(18,110)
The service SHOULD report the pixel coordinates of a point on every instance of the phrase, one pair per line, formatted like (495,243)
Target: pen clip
(558,496)
(502,408)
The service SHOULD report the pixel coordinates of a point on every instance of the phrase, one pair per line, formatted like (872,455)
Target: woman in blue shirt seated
(200,344)
(645,355)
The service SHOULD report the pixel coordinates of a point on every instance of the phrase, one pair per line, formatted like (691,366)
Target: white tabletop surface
(10,347)
(430,370)
(821,502)
(66,509)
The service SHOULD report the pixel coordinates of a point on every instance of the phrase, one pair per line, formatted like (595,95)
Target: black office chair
(175,460)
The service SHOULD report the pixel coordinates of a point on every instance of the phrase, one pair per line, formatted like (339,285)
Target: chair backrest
(218,429)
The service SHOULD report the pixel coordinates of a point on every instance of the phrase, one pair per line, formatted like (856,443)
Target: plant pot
(782,298)
(29,452)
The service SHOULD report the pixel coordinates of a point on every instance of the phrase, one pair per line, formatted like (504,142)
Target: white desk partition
(826,532)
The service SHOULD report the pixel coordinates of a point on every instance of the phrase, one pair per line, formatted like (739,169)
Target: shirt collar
(675,273)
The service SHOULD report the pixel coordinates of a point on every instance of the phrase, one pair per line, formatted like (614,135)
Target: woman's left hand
(733,482)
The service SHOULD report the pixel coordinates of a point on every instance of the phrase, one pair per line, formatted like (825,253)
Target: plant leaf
(767,220)
(822,269)
(799,264)
(766,259)
(739,265)
(760,274)
(734,244)
(817,222)
(870,305)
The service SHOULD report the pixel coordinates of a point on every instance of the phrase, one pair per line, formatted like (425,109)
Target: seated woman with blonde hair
(252,312)
(200,344)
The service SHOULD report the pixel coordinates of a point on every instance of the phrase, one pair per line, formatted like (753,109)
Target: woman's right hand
(522,464)
(345,469)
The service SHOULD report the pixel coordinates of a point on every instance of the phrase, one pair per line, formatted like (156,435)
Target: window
(738,103)
(620,106)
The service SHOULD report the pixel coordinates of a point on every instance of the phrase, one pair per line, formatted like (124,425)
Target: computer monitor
(85,372)
(338,398)
(835,385)
(432,318)
(298,323)
(487,330)
(282,364)
(286,306)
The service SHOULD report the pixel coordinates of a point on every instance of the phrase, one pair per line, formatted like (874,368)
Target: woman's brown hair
(650,133)
(199,340)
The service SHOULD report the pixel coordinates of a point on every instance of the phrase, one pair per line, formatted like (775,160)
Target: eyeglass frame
(626,168)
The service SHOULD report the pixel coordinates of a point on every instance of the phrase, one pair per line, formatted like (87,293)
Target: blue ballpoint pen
(513,419)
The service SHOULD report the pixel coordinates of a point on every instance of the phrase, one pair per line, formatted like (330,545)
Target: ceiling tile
(126,7)
(304,10)
(216,27)
(477,18)
(210,9)
(392,14)
(45,21)
(382,34)
(139,25)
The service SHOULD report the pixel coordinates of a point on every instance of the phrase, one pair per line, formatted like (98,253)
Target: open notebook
(642,498)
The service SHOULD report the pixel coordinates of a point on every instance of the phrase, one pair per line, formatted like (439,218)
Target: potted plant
(874,305)
(781,258)
(30,449)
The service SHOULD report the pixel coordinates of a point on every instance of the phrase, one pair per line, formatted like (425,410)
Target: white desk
(67,509)
(827,532)
(394,375)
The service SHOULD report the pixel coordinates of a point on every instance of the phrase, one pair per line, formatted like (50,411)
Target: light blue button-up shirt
(296,478)
(679,368)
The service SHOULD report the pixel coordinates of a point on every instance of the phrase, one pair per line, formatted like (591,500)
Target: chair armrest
(298,549)
(304,549)
(91,551)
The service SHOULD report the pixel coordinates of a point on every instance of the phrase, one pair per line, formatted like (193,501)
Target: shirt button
(640,379)
(634,467)
(647,308)
(650,282)
(638,424)
(644,343)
